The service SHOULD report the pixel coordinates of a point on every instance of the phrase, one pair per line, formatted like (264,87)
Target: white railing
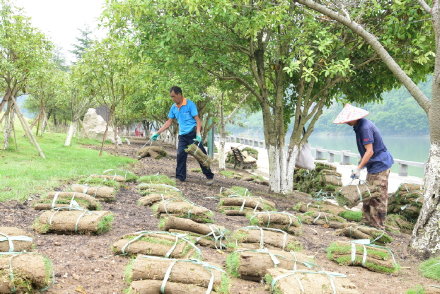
(326,154)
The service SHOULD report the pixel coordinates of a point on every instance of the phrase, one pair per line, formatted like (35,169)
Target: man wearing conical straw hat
(374,156)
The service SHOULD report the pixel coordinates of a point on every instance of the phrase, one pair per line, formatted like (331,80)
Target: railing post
(319,155)
(403,170)
(345,158)
(331,156)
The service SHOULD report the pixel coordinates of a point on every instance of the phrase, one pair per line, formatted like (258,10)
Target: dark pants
(184,141)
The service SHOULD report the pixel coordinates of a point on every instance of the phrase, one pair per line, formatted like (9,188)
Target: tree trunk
(281,167)
(426,234)
(110,116)
(115,135)
(70,133)
(8,125)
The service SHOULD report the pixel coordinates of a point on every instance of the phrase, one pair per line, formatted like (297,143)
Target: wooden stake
(26,129)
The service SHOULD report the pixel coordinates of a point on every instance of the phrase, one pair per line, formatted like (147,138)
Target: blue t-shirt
(367,133)
(185,116)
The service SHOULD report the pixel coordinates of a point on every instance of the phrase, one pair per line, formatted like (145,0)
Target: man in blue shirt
(187,116)
(375,157)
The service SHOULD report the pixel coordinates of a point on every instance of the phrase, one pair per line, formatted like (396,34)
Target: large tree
(401,17)
(291,64)
(23,50)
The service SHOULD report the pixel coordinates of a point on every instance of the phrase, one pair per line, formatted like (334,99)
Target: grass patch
(196,170)
(416,290)
(268,280)
(128,272)
(431,268)
(225,285)
(227,173)
(232,264)
(23,172)
(355,216)
(128,175)
(294,246)
(157,179)
(105,224)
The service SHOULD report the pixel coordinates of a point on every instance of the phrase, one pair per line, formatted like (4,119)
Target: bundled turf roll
(235,191)
(407,201)
(100,182)
(128,175)
(352,195)
(184,209)
(157,179)
(198,154)
(25,273)
(157,243)
(106,194)
(205,234)
(322,206)
(322,181)
(67,199)
(74,221)
(284,281)
(14,240)
(252,265)
(153,287)
(109,177)
(363,232)
(373,257)
(278,220)
(190,272)
(398,223)
(322,219)
(151,199)
(253,237)
(255,203)
(155,152)
(157,188)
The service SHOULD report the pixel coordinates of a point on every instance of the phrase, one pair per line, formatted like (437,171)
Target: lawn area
(23,172)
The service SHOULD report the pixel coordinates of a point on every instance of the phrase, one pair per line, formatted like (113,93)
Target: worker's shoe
(209,182)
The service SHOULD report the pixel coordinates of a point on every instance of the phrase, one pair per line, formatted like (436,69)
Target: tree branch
(425,6)
(371,39)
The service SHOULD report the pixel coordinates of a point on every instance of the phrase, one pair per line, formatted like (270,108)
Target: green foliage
(251,151)
(431,268)
(227,173)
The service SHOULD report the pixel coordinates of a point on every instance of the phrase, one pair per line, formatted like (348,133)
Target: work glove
(355,173)
(154,137)
(198,139)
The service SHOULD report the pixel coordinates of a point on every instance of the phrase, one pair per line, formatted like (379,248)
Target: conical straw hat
(350,113)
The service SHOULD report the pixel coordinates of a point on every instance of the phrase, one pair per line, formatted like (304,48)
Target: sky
(61,20)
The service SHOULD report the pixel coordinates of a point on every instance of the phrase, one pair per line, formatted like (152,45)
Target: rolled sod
(205,234)
(157,243)
(15,240)
(153,287)
(25,273)
(258,238)
(363,232)
(183,209)
(284,281)
(374,258)
(104,193)
(74,221)
(252,265)
(278,220)
(151,199)
(67,199)
(192,272)
(256,203)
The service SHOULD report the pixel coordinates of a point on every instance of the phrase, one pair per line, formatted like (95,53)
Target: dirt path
(85,264)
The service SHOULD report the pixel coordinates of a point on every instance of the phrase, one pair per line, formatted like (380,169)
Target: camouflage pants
(375,208)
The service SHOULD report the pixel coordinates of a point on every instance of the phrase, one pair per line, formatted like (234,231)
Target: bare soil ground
(86,264)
